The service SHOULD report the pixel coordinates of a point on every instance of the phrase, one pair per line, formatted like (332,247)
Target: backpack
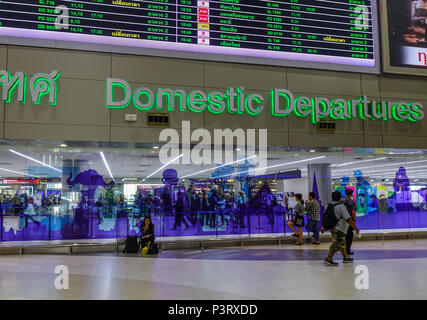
(154,249)
(131,245)
(329,220)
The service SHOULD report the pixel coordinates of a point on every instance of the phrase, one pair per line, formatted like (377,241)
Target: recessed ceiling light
(156,147)
(63,145)
(312,150)
(32,159)
(238,149)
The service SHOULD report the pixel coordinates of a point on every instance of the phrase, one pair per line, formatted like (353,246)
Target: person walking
(337,212)
(292,202)
(313,213)
(298,221)
(204,207)
(241,203)
(351,208)
(179,211)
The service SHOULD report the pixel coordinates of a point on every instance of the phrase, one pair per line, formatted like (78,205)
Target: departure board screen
(318,31)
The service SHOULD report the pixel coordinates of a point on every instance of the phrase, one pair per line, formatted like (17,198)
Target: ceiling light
(106,164)
(20,173)
(275,166)
(63,145)
(359,161)
(214,168)
(32,159)
(385,165)
(155,147)
(164,166)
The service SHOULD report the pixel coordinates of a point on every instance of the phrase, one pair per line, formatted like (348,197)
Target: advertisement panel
(404,25)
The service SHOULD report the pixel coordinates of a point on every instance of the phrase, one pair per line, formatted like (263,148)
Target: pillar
(320,181)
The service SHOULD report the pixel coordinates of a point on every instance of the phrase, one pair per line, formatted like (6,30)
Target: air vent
(325,126)
(158,119)
(149,156)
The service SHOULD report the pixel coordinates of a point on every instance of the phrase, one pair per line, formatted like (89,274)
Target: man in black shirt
(351,208)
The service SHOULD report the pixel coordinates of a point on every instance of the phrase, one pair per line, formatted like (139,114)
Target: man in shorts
(339,232)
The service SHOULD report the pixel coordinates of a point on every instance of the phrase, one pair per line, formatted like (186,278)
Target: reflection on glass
(76,196)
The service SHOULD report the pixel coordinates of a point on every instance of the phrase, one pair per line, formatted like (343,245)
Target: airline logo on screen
(40,84)
(120,95)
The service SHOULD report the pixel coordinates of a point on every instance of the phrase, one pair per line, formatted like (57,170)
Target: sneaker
(350,253)
(330,262)
(349,260)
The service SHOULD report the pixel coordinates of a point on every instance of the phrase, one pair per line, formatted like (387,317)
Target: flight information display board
(339,32)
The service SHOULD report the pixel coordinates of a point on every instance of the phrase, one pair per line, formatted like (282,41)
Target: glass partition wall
(80,192)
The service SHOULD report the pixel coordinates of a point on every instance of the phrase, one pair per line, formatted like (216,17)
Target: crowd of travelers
(22,203)
(339,217)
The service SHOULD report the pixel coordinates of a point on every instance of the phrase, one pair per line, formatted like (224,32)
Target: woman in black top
(147,232)
(298,220)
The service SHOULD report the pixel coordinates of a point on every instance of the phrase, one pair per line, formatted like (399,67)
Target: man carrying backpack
(337,220)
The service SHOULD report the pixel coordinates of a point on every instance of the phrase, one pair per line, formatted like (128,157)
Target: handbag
(145,250)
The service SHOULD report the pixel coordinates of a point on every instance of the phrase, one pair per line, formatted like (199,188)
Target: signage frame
(385,46)
(47,39)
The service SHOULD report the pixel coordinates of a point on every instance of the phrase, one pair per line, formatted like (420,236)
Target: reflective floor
(397,270)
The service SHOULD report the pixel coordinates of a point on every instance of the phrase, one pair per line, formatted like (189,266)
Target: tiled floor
(397,270)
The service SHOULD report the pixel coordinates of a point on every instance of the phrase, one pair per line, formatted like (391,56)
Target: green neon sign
(40,85)
(119,95)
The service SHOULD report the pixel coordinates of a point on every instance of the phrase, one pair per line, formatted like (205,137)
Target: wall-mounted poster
(362,200)
(372,199)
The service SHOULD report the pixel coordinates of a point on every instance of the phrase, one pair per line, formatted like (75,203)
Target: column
(320,181)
